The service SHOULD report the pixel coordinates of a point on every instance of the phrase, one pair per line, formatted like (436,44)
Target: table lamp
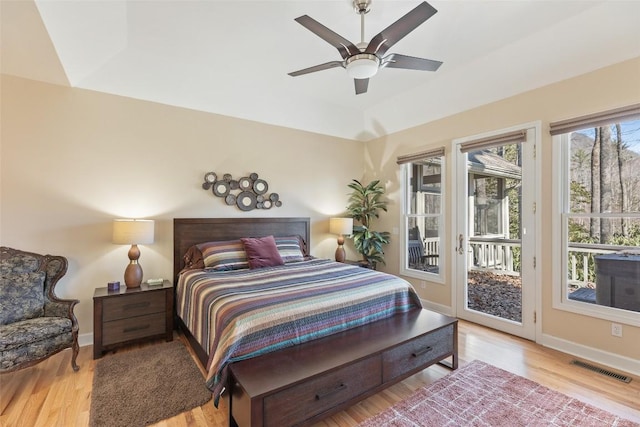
(341,227)
(133,232)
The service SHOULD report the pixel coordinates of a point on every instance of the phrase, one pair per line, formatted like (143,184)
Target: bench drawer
(421,351)
(305,400)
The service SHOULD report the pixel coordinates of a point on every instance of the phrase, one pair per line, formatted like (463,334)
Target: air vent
(619,377)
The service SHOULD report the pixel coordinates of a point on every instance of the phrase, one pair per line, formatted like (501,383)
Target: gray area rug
(144,386)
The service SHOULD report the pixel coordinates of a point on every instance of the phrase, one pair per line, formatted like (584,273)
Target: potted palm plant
(365,202)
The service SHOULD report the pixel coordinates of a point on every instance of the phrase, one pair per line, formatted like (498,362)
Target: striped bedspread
(240,314)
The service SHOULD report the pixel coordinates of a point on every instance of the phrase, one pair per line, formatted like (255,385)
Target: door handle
(460,244)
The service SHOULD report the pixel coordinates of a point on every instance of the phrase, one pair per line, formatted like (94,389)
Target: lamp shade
(133,231)
(341,226)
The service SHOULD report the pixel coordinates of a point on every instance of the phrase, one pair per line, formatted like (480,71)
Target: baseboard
(85,339)
(439,308)
(611,360)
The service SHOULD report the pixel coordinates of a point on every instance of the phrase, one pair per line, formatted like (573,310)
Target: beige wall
(72,160)
(604,89)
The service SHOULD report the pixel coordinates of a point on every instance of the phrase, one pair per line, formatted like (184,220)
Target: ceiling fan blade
(315,68)
(361,85)
(344,46)
(396,60)
(396,31)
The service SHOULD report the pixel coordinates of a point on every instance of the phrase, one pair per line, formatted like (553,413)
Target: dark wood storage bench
(302,384)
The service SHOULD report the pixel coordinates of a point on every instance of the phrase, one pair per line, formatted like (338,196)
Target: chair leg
(76,349)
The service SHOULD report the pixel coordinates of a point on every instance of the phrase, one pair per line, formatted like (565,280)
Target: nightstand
(359,263)
(131,315)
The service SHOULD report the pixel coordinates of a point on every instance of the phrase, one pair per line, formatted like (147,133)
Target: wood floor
(51,394)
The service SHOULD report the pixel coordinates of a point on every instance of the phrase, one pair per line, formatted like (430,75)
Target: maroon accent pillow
(262,252)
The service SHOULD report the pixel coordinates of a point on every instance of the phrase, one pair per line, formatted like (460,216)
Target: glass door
(495,241)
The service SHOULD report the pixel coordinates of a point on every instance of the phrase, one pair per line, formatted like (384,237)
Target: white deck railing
(498,254)
(582,262)
(432,251)
(493,253)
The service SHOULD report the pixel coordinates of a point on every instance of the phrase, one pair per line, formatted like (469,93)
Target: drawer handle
(422,351)
(136,328)
(328,393)
(136,305)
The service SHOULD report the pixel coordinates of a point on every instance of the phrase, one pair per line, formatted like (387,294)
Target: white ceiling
(232,57)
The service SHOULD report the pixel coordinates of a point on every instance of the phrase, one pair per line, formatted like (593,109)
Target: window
(422,215)
(600,219)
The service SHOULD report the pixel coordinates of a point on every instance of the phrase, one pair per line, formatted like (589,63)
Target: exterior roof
(485,163)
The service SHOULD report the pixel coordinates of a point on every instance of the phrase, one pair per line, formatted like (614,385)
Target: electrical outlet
(423,284)
(616,330)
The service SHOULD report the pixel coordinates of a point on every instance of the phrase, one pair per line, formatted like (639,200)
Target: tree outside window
(602,216)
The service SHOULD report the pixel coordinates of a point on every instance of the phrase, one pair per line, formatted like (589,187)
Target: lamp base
(340,254)
(133,272)
(133,275)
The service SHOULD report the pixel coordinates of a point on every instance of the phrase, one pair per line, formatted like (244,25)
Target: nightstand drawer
(137,327)
(134,305)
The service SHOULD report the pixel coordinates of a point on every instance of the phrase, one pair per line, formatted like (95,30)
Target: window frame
(405,215)
(561,215)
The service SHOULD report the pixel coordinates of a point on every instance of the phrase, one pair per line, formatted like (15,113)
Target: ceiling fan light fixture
(362,66)
(363,60)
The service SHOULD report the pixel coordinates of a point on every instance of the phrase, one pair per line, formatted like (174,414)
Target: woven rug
(144,386)
(479,394)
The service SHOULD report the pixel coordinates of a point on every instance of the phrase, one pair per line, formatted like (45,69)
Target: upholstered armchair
(34,322)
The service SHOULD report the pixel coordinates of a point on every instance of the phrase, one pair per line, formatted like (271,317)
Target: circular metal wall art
(246,201)
(245,183)
(221,188)
(251,191)
(260,186)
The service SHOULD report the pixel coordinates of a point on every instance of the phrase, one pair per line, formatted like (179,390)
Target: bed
(258,331)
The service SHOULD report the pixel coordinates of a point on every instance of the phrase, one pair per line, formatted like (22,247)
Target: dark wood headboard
(190,231)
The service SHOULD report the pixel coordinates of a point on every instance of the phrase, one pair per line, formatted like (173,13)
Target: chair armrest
(61,308)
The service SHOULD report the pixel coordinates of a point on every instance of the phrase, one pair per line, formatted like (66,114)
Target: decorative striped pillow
(290,248)
(224,255)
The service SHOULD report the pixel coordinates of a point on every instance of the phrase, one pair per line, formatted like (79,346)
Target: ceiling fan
(363,60)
